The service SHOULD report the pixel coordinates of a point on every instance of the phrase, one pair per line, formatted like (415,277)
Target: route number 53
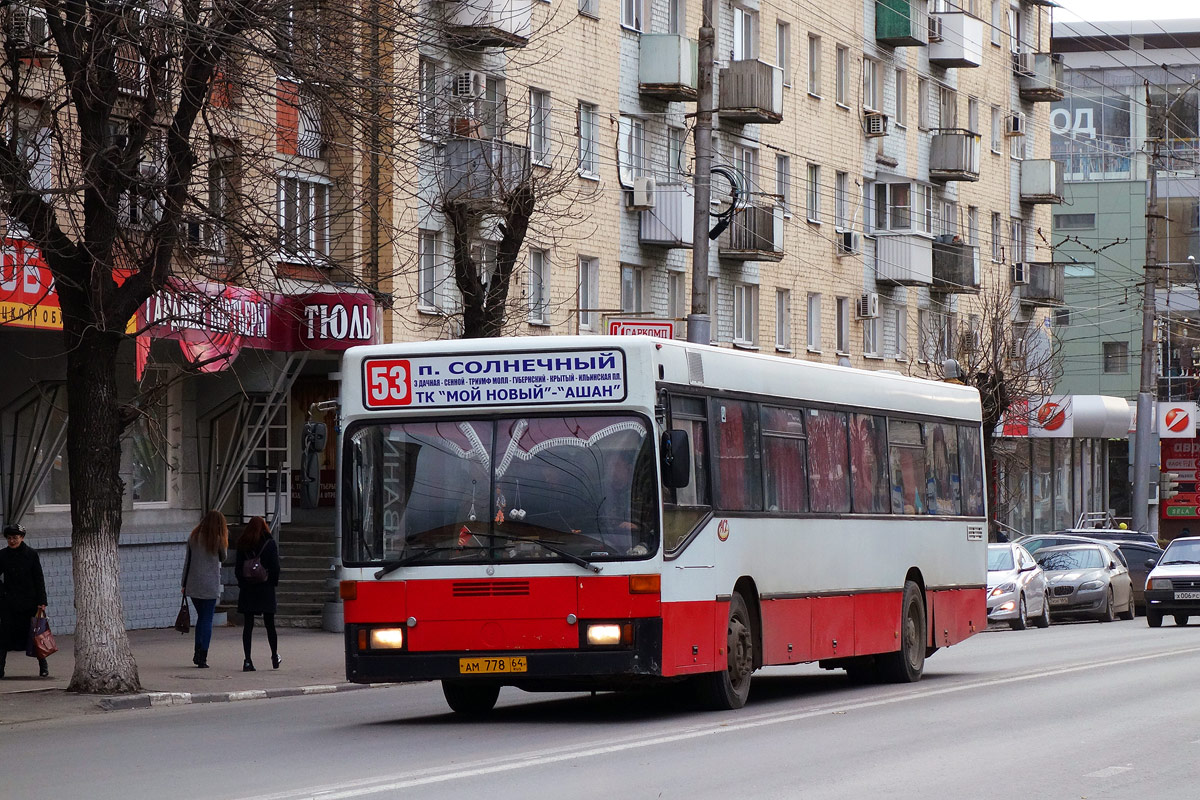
(389,382)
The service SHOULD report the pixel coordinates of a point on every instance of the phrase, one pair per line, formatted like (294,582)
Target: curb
(159,699)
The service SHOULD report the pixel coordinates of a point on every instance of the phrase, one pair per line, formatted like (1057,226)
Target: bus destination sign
(494,379)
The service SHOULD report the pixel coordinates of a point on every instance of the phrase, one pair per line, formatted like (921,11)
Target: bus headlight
(387,638)
(604,634)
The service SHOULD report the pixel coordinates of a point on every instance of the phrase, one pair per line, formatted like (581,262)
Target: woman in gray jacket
(202,576)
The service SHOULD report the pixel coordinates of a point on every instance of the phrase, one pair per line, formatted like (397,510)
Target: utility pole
(699,323)
(1143,454)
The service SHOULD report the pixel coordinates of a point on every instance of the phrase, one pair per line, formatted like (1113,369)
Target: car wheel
(728,689)
(1181,619)
(907,664)
(1109,613)
(1129,612)
(1153,619)
(469,697)
(1020,623)
(1043,621)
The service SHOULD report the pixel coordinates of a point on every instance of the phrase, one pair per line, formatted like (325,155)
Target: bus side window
(942,479)
(906,459)
(828,461)
(737,460)
(685,507)
(970,454)
(868,464)
(785,475)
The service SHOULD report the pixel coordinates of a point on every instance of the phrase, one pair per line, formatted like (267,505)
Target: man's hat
(14,529)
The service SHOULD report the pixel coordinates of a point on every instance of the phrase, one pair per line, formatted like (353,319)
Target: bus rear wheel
(906,664)
(730,688)
(470,697)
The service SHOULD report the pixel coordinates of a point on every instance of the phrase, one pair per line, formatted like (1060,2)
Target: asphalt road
(1075,711)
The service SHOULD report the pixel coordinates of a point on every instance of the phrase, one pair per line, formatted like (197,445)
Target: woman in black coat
(256,594)
(22,595)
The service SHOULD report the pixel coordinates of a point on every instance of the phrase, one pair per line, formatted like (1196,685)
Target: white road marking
(434,775)
(1107,772)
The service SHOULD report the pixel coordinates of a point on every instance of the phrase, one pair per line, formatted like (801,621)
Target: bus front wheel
(907,664)
(729,689)
(470,697)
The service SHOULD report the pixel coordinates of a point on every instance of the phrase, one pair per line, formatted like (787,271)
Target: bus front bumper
(586,664)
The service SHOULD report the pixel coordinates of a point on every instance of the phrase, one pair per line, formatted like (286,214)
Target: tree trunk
(104,663)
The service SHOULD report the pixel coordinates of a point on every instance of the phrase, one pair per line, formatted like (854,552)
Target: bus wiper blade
(391,566)
(553,547)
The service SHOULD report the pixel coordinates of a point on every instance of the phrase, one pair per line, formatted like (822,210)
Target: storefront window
(1062,484)
(149,446)
(1043,487)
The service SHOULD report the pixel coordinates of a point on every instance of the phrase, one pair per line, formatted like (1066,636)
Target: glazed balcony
(670,223)
(755,234)
(955,267)
(958,41)
(905,259)
(1046,284)
(1041,181)
(901,23)
(480,171)
(1039,76)
(667,67)
(954,155)
(751,91)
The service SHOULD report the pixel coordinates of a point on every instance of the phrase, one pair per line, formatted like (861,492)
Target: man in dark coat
(22,594)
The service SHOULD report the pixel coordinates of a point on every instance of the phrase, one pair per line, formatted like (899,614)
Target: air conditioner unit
(470,85)
(875,124)
(642,197)
(935,28)
(1020,274)
(1014,125)
(867,306)
(848,243)
(1016,350)
(971,342)
(1022,62)
(27,27)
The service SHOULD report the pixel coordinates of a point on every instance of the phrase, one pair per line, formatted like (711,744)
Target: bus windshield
(492,490)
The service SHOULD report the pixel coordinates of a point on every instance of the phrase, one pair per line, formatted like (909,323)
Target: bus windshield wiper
(553,547)
(391,566)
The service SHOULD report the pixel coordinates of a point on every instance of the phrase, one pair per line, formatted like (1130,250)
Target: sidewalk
(313,663)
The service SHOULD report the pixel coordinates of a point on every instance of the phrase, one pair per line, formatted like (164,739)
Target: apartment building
(891,161)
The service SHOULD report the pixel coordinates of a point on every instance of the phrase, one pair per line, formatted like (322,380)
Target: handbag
(41,640)
(253,570)
(183,620)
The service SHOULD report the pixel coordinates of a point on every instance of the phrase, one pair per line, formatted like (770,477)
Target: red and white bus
(558,513)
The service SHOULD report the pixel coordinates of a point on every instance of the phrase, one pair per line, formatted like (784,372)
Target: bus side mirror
(676,459)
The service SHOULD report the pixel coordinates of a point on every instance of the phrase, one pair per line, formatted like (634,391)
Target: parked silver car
(1087,580)
(1016,588)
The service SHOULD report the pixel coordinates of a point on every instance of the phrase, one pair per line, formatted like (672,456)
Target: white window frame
(814,65)
(590,8)
(891,212)
(997,129)
(842,326)
(841,76)
(540,111)
(676,16)
(678,297)
(538,286)
(783,182)
(901,98)
(429,266)
(841,201)
(631,150)
(922,103)
(783,320)
(745,34)
(812,194)
(589,293)
(676,148)
(589,140)
(813,323)
(633,15)
(783,50)
(899,315)
(871,338)
(998,22)
(973,114)
(633,289)
(306,216)
(745,314)
(872,91)
(997,238)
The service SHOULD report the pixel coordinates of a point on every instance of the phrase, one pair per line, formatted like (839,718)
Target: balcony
(671,221)
(1041,181)
(755,234)
(955,267)
(479,171)
(903,258)
(667,67)
(901,23)
(960,41)
(1039,76)
(954,155)
(476,24)
(1046,283)
(751,91)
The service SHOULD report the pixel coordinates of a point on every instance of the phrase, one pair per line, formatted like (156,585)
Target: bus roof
(719,368)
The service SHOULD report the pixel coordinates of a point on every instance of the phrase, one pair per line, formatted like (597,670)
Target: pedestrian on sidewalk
(22,595)
(256,586)
(206,549)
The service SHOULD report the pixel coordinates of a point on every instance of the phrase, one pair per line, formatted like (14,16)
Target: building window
(899,315)
(539,125)
(814,65)
(633,290)
(1062,317)
(745,314)
(676,16)
(813,323)
(841,76)
(842,321)
(1074,222)
(1016,235)
(633,14)
(745,34)
(149,448)
(997,133)
(588,140)
(812,200)
(303,217)
(973,225)
(893,207)
(936,332)
(677,295)
(972,115)
(783,50)
(901,98)
(997,27)
(947,107)
(871,337)
(631,149)
(927,217)
(1116,357)
(783,320)
(590,8)
(428,267)
(841,200)
(923,103)
(675,149)
(997,239)
(783,182)
(745,161)
(871,90)
(589,289)
(539,287)
(429,94)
